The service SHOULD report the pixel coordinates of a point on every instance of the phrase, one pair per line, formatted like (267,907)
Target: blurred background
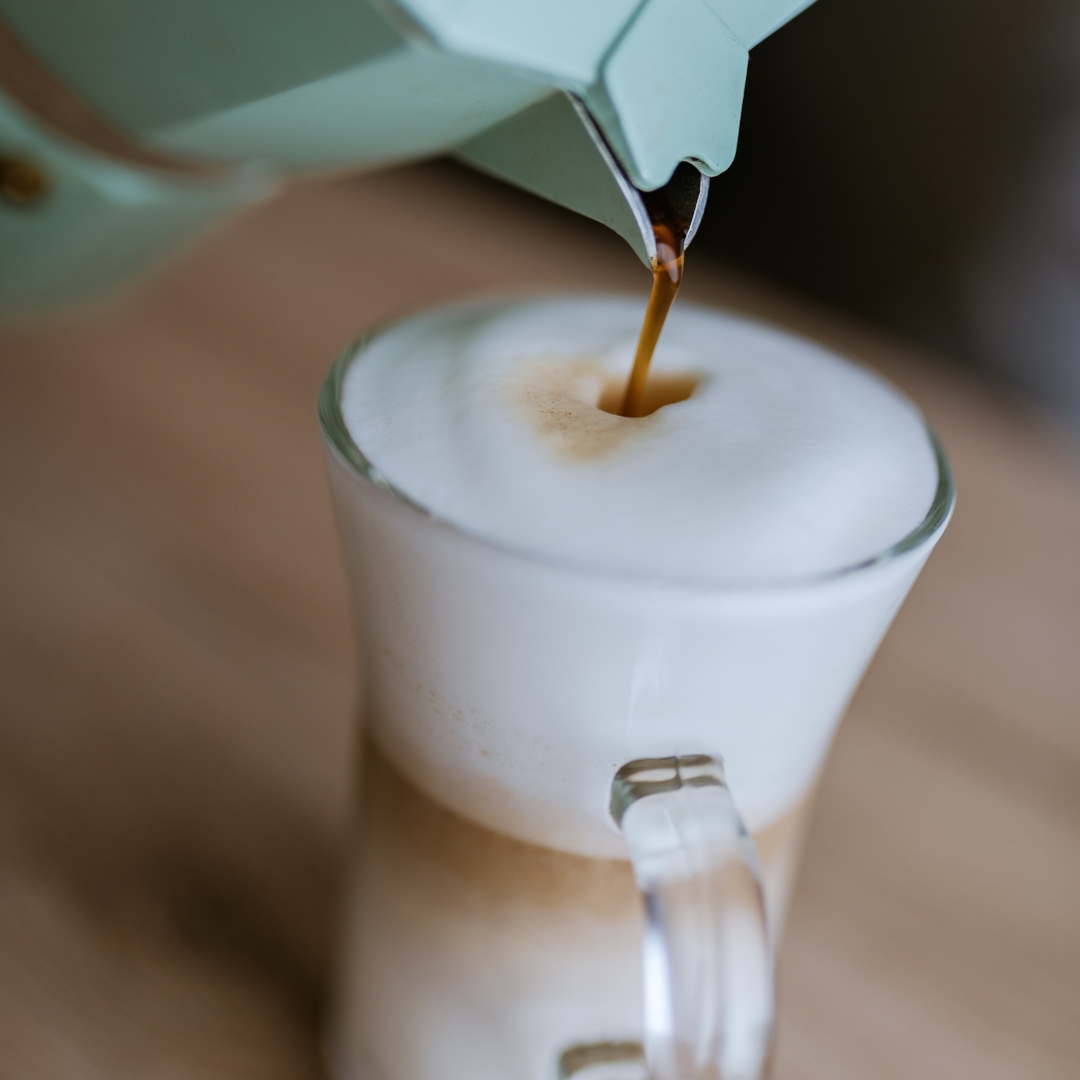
(918,164)
(176,676)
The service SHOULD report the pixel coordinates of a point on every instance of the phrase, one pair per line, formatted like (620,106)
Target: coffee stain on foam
(571,405)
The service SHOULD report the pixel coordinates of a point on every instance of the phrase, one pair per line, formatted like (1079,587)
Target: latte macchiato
(546,590)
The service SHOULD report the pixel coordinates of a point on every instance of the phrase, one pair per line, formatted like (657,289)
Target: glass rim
(337,436)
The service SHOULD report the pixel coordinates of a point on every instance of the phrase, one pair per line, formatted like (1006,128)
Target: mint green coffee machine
(126,126)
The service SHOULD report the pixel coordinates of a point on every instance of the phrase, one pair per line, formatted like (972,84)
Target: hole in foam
(572,404)
(663,388)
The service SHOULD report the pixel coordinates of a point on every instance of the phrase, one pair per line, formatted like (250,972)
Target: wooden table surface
(176,675)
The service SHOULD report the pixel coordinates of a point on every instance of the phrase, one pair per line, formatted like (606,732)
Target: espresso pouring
(667,271)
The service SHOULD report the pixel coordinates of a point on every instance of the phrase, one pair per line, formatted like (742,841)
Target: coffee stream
(667,267)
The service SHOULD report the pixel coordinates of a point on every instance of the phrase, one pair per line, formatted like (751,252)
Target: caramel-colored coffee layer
(419,836)
(471,954)
(438,848)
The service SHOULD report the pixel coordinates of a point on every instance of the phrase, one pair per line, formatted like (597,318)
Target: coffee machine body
(127,125)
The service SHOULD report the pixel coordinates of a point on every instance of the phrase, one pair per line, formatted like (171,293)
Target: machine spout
(556,150)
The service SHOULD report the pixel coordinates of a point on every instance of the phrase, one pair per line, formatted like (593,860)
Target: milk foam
(785,462)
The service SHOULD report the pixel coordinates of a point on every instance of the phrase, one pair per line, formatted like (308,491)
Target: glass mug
(549,875)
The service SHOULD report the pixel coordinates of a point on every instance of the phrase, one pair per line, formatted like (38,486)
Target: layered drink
(546,590)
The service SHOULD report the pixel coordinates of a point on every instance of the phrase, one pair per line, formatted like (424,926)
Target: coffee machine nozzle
(127,126)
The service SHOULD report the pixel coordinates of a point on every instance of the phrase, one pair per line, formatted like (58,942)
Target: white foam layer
(785,462)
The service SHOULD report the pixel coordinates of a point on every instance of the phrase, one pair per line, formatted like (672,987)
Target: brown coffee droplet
(22,183)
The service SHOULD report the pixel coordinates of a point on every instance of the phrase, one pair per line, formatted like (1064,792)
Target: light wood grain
(176,681)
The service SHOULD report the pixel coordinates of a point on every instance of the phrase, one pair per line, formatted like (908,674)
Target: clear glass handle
(707,957)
